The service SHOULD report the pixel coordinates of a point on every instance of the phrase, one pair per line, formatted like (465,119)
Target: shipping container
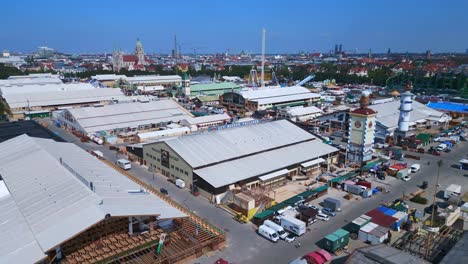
(365,184)
(378,235)
(357,223)
(336,241)
(354,189)
(346,184)
(365,230)
(367,193)
(332,203)
(402,218)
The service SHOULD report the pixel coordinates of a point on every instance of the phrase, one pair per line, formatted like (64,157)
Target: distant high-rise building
(336,49)
(341,48)
(45,52)
(388,52)
(428,55)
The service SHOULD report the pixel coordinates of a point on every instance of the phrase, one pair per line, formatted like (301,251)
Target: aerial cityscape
(219,132)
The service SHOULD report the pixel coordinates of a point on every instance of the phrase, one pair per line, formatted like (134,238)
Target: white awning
(412,123)
(421,121)
(273,175)
(312,162)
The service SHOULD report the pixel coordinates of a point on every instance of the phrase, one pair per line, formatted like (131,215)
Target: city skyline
(210,27)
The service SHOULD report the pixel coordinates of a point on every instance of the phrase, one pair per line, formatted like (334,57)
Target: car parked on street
(406,178)
(328,211)
(322,216)
(313,207)
(290,238)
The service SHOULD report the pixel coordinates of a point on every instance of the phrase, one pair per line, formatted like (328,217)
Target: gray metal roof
(207,119)
(123,115)
(266,162)
(64,97)
(382,254)
(52,204)
(47,87)
(206,148)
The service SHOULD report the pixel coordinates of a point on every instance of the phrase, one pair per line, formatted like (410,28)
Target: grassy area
(419,199)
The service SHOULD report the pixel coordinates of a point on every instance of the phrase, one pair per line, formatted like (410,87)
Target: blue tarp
(383,209)
(390,212)
(446,106)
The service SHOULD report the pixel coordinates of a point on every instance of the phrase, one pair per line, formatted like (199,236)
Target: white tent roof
(50,199)
(124,115)
(388,113)
(206,148)
(61,97)
(273,175)
(269,161)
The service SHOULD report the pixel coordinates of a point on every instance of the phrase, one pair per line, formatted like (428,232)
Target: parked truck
(453,189)
(292,225)
(332,203)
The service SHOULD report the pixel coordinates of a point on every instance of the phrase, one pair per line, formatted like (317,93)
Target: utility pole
(430,233)
(263,58)
(176,55)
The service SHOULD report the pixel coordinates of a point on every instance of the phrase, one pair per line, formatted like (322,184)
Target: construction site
(431,246)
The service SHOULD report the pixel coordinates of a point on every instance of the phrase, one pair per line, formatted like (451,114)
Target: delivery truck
(292,225)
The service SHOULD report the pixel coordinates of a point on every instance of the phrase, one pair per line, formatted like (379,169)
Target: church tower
(139,52)
(361,132)
(117,60)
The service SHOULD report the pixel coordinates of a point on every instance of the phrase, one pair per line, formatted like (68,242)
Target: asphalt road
(245,246)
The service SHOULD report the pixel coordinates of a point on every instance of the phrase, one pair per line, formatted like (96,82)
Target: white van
(441,147)
(180,183)
(268,233)
(279,229)
(124,164)
(415,167)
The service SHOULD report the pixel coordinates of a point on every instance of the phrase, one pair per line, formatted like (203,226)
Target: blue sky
(216,26)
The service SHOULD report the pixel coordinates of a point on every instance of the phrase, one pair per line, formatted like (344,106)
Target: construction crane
(306,80)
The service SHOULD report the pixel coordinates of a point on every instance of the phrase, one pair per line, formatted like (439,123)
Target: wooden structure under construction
(431,247)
